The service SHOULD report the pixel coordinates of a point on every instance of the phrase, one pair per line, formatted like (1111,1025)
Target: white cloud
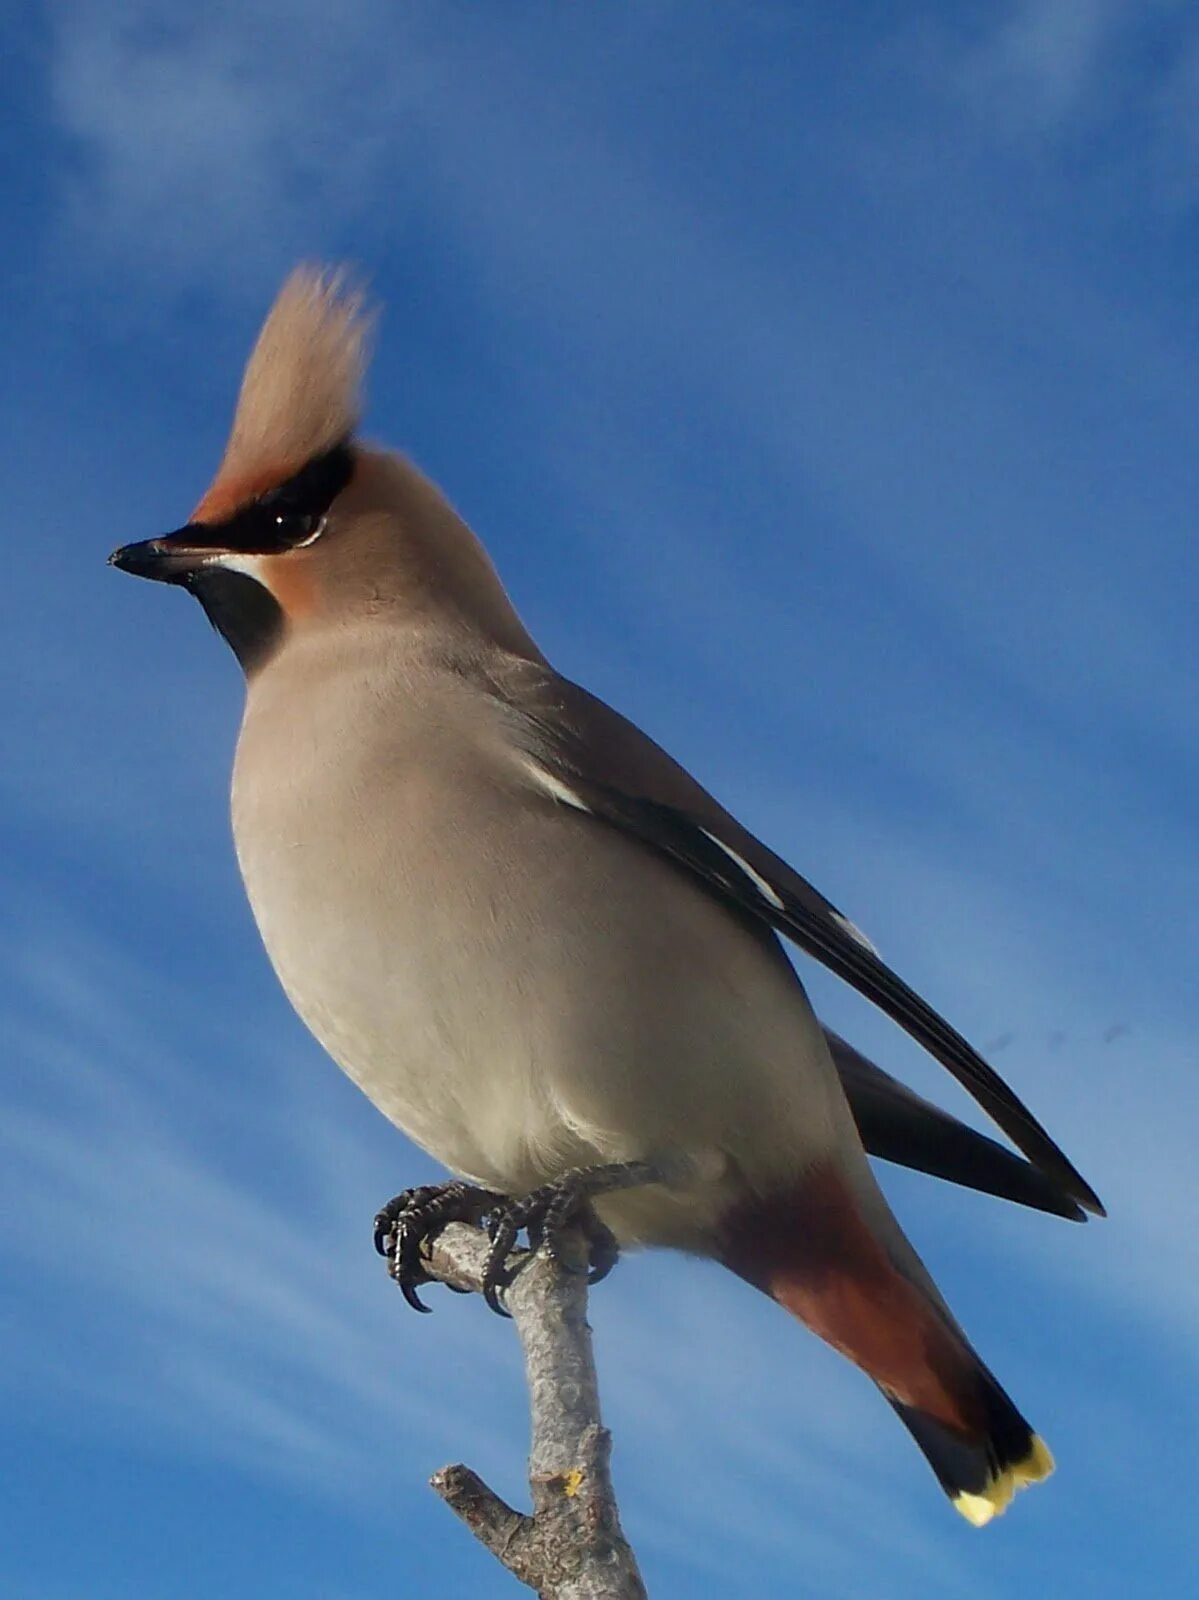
(1043,60)
(219,144)
(1114,82)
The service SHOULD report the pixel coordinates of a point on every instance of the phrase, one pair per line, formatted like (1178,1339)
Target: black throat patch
(243,611)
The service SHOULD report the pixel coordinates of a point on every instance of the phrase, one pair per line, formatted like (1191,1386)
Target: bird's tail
(813,1251)
(980,1470)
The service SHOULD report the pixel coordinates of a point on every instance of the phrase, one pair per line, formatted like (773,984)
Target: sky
(823,382)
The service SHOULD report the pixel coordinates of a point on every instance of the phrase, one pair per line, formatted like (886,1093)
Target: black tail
(981,1471)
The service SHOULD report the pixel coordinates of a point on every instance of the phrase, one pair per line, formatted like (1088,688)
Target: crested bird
(538,945)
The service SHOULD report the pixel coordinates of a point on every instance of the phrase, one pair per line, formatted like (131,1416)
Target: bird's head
(304,526)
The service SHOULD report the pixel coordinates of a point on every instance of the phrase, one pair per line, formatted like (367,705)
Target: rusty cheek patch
(289,578)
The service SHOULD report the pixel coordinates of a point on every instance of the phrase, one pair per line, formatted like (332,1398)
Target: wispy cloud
(219,1307)
(1041,61)
(210,152)
(214,148)
(1109,87)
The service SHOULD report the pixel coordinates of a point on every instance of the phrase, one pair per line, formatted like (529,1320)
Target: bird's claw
(405,1226)
(546,1214)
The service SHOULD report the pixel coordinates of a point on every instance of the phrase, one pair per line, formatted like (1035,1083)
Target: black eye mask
(283,517)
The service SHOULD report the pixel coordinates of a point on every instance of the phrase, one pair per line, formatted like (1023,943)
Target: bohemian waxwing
(537,944)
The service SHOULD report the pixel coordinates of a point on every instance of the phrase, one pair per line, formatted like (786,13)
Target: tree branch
(572,1547)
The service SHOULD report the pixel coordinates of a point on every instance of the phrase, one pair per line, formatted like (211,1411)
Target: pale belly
(520,988)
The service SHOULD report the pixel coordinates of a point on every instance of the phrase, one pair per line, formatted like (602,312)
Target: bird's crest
(301,393)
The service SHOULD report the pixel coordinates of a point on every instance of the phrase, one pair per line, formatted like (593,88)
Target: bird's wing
(588,756)
(898,1125)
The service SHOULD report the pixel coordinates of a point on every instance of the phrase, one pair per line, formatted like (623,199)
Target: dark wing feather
(898,1125)
(622,777)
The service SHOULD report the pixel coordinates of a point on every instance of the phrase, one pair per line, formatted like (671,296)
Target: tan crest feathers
(301,392)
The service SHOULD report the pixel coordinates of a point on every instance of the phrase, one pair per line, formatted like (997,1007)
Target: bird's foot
(406,1225)
(547,1213)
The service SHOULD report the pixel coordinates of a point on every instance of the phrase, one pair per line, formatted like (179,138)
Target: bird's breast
(518,986)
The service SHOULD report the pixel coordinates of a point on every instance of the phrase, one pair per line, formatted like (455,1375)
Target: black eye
(295,527)
(284,515)
(293,514)
(271,526)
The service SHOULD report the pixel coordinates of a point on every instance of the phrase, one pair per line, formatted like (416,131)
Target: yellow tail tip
(994,1500)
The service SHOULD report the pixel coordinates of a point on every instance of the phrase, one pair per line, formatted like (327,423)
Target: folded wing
(587,755)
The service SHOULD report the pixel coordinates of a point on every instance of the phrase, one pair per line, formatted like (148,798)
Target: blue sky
(823,382)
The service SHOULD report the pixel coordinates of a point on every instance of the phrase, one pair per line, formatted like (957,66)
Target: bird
(544,951)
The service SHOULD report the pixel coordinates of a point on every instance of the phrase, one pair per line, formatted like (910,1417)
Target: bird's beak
(173,558)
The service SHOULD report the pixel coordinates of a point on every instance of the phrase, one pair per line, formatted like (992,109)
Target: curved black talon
(546,1214)
(602,1247)
(406,1224)
(502,1229)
